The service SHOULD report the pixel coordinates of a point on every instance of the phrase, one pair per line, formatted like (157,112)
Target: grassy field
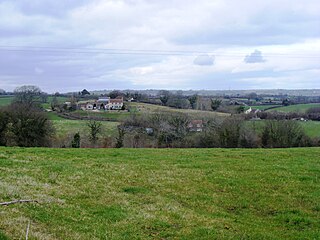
(60,100)
(312,128)
(261,107)
(161,193)
(151,108)
(5,101)
(296,108)
(110,115)
(65,127)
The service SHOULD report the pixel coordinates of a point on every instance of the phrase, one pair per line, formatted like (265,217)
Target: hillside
(151,108)
(160,193)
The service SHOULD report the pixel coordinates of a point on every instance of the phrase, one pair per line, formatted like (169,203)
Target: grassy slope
(296,108)
(161,194)
(147,108)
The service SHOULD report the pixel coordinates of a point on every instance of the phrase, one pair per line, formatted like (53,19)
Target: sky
(150,44)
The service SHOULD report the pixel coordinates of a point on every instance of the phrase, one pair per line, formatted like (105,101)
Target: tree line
(172,130)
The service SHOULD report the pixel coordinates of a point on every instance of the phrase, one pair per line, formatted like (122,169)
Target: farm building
(102,104)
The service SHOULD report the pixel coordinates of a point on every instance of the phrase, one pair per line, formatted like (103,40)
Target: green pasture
(302,108)
(160,193)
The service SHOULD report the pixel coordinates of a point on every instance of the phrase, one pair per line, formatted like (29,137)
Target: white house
(116,104)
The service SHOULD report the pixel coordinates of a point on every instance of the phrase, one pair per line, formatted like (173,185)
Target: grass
(110,115)
(65,127)
(262,107)
(5,101)
(60,100)
(302,108)
(161,193)
(151,108)
(54,116)
(312,128)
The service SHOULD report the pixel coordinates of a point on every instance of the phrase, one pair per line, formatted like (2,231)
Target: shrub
(76,141)
(27,127)
(284,133)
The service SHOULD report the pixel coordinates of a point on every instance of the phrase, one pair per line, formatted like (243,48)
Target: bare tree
(28,95)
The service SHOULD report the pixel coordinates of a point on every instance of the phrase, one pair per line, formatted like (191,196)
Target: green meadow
(5,101)
(64,127)
(160,193)
(302,108)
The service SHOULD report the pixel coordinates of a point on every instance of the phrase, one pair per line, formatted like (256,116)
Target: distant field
(150,108)
(144,108)
(64,127)
(302,108)
(312,128)
(60,100)
(161,193)
(5,101)
(111,115)
(262,107)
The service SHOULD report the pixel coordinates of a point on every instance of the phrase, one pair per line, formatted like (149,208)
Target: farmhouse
(104,103)
(116,104)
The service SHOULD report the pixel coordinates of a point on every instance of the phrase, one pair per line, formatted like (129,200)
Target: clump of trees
(24,126)
(171,130)
(23,123)
(31,96)
(281,134)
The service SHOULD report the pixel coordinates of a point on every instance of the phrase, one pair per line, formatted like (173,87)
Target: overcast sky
(169,44)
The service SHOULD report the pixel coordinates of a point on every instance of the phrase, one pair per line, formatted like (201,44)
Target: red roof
(116,100)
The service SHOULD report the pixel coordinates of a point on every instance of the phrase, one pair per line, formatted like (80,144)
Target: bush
(26,127)
(282,134)
(3,125)
(229,133)
(76,141)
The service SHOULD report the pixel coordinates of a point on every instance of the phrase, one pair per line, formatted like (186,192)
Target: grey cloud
(204,60)
(255,57)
